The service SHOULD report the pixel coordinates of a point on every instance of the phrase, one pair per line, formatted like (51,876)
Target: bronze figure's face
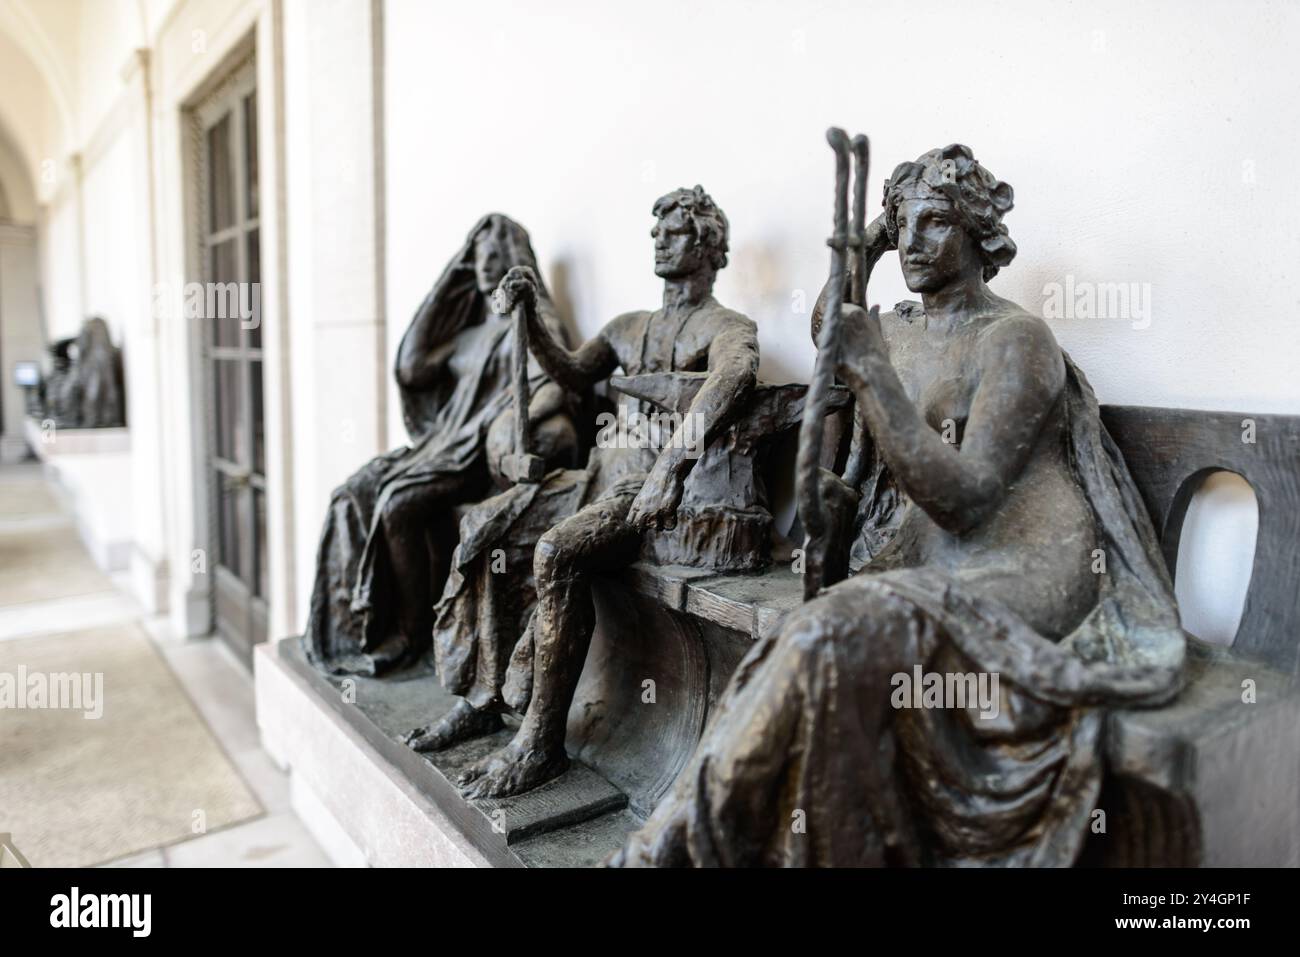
(944,214)
(934,248)
(491,258)
(678,252)
(690,235)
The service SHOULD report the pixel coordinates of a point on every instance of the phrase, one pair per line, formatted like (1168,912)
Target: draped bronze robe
(350,629)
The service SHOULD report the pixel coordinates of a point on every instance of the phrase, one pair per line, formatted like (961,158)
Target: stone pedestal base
(357,805)
(91,470)
(370,799)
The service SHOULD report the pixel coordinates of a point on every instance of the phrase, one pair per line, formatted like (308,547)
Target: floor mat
(77,791)
(40,564)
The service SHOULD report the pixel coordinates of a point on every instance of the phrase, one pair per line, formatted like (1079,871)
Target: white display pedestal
(357,805)
(91,470)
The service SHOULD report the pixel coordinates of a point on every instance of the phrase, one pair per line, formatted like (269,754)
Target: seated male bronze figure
(390,531)
(998,532)
(596,519)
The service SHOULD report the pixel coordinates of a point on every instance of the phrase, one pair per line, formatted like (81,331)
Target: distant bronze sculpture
(55,382)
(84,388)
(629,499)
(992,529)
(389,533)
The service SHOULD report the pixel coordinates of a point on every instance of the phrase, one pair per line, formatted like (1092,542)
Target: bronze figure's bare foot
(514,769)
(461,723)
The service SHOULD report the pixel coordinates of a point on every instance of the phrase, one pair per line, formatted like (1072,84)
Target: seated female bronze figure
(997,532)
(389,533)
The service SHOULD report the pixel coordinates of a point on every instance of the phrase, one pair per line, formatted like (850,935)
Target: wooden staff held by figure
(812,512)
(522,465)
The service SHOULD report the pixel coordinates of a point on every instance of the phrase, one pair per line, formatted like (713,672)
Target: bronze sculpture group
(983,523)
(84,388)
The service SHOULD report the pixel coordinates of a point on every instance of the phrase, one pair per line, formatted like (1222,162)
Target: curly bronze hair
(706,217)
(979,198)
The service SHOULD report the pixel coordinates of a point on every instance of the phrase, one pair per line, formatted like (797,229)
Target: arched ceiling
(37,50)
(56,57)
(18,202)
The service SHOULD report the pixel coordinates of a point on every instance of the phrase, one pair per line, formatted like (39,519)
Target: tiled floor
(221,689)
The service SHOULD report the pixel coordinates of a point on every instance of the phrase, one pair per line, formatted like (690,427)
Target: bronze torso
(941,369)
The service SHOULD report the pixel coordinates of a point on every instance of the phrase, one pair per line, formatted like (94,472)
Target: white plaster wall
(117,240)
(20,333)
(108,31)
(61,267)
(307,503)
(15,182)
(20,328)
(1146,143)
(119,286)
(339,369)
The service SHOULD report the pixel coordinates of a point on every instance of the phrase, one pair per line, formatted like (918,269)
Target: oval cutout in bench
(1216,552)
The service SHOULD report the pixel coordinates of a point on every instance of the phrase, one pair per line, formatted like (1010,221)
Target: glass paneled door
(231,337)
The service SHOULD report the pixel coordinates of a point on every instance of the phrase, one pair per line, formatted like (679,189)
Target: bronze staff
(811,512)
(522,465)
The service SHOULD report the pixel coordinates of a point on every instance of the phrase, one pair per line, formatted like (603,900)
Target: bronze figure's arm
(1021,377)
(876,244)
(420,358)
(549,397)
(733,370)
(575,370)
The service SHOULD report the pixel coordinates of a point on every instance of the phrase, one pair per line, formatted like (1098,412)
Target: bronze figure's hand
(655,506)
(875,238)
(861,343)
(518,286)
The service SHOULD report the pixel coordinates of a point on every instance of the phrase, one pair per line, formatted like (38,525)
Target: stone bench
(1210,779)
